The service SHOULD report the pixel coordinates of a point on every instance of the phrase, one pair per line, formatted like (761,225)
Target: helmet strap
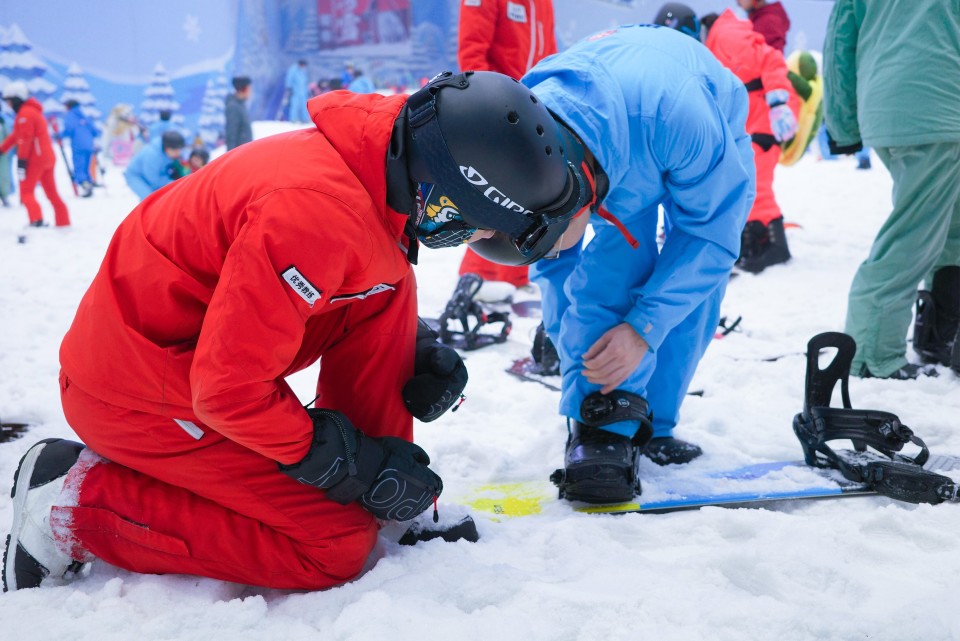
(401,189)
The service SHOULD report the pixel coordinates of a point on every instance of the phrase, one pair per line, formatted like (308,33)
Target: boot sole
(21,485)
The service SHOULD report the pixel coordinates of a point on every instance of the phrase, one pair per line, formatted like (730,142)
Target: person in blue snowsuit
(82,132)
(664,121)
(156,165)
(296,85)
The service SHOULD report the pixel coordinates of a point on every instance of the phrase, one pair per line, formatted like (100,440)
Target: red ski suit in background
(510,37)
(762,68)
(213,290)
(32,139)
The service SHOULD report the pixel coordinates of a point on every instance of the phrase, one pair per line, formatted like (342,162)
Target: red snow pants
(49,184)
(166,501)
(488,270)
(765,207)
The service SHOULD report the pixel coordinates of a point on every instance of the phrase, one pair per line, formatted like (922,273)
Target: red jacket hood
(343,118)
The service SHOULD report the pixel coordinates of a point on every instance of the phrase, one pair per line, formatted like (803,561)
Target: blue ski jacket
(149,170)
(666,122)
(80,129)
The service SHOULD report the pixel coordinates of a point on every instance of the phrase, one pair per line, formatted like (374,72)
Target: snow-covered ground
(865,568)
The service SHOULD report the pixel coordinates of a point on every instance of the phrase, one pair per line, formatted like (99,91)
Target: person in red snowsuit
(769,19)
(763,70)
(510,37)
(35,158)
(199,457)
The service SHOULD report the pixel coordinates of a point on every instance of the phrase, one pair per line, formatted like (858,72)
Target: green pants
(921,235)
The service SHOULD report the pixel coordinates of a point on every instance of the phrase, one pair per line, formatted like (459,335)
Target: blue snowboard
(672,489)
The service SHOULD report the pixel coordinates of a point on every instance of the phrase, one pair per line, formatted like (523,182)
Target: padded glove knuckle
(439,378)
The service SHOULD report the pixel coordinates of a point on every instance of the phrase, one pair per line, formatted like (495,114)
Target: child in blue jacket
(663,125)
(156,165)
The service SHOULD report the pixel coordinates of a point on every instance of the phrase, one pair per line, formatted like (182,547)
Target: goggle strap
(610,218)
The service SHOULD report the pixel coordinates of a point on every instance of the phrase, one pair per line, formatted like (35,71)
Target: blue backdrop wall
(122,46)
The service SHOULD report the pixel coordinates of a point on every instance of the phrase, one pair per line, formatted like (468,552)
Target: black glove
(439,377)
(21,169)
(388,476)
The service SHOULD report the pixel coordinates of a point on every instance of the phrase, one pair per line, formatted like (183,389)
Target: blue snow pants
(587,291)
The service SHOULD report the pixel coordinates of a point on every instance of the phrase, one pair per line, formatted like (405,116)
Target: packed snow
(859,568)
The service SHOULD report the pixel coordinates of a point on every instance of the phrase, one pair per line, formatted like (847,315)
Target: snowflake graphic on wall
(191,27)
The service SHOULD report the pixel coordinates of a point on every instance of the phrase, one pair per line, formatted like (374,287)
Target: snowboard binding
(601,466)
(889,473)
(455,326)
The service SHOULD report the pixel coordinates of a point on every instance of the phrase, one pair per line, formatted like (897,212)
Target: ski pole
(56,131)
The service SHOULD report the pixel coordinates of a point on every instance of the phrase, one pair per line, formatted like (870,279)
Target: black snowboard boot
(666,450)
(601,466)
(762,246)
(545,353)
(938,317)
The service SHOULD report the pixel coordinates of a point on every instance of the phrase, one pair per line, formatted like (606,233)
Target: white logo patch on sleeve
(301,285)
(471,3)
(516,12)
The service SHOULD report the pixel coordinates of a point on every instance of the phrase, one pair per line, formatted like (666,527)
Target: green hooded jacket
(892,72)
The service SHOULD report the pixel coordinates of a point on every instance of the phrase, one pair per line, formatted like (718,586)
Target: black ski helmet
(493,149)
(679,16)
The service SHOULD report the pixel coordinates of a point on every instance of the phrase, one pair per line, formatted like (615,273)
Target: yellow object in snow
(808,120)
(510,499)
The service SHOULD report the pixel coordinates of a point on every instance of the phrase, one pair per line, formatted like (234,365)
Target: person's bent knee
(337,561)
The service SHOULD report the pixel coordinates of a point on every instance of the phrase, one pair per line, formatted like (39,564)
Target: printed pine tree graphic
(212,120)
(75,87)
(159,97)
(19,62)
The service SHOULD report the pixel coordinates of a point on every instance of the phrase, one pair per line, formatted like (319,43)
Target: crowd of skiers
(198,458)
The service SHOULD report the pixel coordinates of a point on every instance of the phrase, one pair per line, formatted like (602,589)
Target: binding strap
(894,475)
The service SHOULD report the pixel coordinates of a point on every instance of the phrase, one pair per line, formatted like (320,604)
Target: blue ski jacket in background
(149,170)
(666,121)
(80,129)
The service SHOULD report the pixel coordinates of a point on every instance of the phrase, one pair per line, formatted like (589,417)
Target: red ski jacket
(212,290)
(31,137)
(506,36)
(758,65)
